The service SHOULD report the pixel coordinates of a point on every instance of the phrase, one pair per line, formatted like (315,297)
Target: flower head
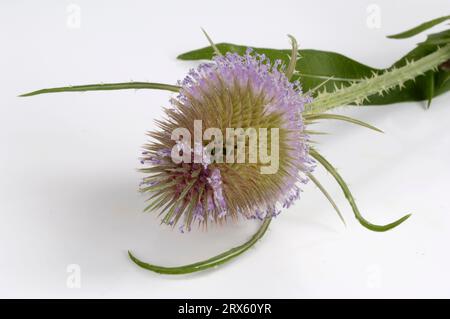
(233,91)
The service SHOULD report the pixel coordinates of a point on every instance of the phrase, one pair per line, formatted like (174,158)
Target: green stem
(106,87)
(205,264)
(360,91)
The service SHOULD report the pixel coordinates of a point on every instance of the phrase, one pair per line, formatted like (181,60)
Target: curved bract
(208,263)
(106,87)
(348,195)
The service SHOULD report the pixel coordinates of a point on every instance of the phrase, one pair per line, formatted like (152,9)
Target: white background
(68,179)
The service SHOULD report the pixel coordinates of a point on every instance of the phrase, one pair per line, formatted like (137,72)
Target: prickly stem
(378,83)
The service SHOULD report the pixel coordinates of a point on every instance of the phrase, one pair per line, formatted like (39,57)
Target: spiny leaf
(396,77)
(327,195)
(329,116)
(420,28)
(414,90)
(106,87)
(350,199)
(208,263)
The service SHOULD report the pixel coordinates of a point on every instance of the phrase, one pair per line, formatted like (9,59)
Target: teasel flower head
(233,91)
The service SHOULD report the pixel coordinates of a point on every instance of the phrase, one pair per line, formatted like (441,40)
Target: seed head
(233,91)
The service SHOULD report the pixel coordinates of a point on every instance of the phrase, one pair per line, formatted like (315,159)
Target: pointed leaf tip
(429,88)
(383,228)
(418,29)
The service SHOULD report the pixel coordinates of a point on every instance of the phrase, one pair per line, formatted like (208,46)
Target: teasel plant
(244,90)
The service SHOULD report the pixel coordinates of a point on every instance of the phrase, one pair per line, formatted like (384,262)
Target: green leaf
(429,87)
(327,195)
(106,87)
(316,66)
(351,200)
(415,90)
(329,116)
(441,79)
(205,264)
(420,28)
(439,38)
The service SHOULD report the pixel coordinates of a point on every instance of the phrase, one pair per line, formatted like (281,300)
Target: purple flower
(233,91)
